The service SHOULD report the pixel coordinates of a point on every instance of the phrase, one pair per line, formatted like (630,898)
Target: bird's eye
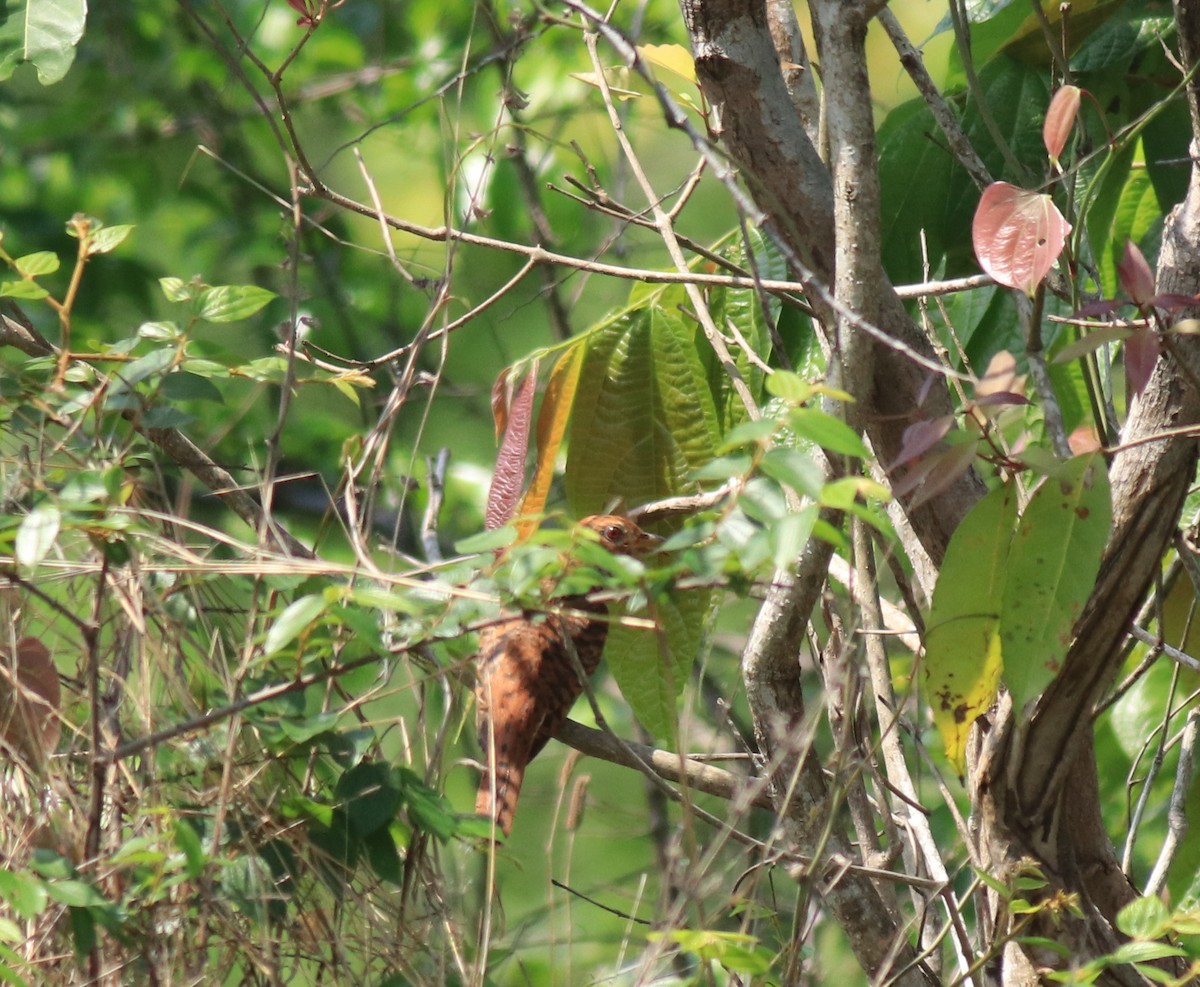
(614,533)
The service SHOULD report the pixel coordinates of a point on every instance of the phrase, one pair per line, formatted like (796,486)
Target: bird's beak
(647,543)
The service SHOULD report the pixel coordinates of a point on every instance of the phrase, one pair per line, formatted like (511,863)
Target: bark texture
(1034,787)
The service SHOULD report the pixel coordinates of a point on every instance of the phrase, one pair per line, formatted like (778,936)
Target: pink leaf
(1084,439)
(1017,235)
(508,478)
(1135,276)
(1060,118)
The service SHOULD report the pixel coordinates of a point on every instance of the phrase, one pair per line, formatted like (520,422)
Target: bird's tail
(499,789)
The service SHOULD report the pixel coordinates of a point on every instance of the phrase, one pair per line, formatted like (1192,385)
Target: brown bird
(526,682)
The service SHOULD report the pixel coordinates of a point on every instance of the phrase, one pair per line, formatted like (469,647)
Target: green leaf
(1144,918)
(77,894)
(1143,952)
(184,386)
(1136,213)
(302,730)
(26,894)
(27,290)
(486,541)
(915,214)
(107,238)
(789,386)
(36,534)
(188,841)
(42,32)
(426,808)
(1052,567)
(795,468)
(37,264)
(383,856)
(643,414)
(178,290)
(229,303)
(741,309)
(962,641)
(247,881)
(146,366)
(828,432)
(160,331)
(83,930)
(289,624)
(652,668)
(370,797)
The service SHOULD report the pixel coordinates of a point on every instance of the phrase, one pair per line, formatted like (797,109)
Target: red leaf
(1141,354)
(501,396)
(1135,276)
(1060,118)
(922,436)
(508,478)
(1017,235)
(1172,302)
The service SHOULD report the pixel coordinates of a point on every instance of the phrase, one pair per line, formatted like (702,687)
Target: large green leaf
(911,209)
(742,309)
(1136,212)
(652,668)
(1052,568)
(962,641)
(43,32)
(643,415)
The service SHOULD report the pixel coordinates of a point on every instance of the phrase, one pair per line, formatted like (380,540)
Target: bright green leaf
(828,432)
(27,290)
(107,238)
(1144,918)
(43,33)
(36,264)
(26,894)
(229,303)
(289,624)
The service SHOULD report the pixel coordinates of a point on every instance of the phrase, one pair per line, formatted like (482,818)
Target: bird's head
(620,535)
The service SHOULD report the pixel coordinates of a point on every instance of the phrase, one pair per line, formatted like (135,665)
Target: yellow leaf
(953,720)
(551,427)
(673,58)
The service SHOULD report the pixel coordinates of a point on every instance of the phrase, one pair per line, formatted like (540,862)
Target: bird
(526,681)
